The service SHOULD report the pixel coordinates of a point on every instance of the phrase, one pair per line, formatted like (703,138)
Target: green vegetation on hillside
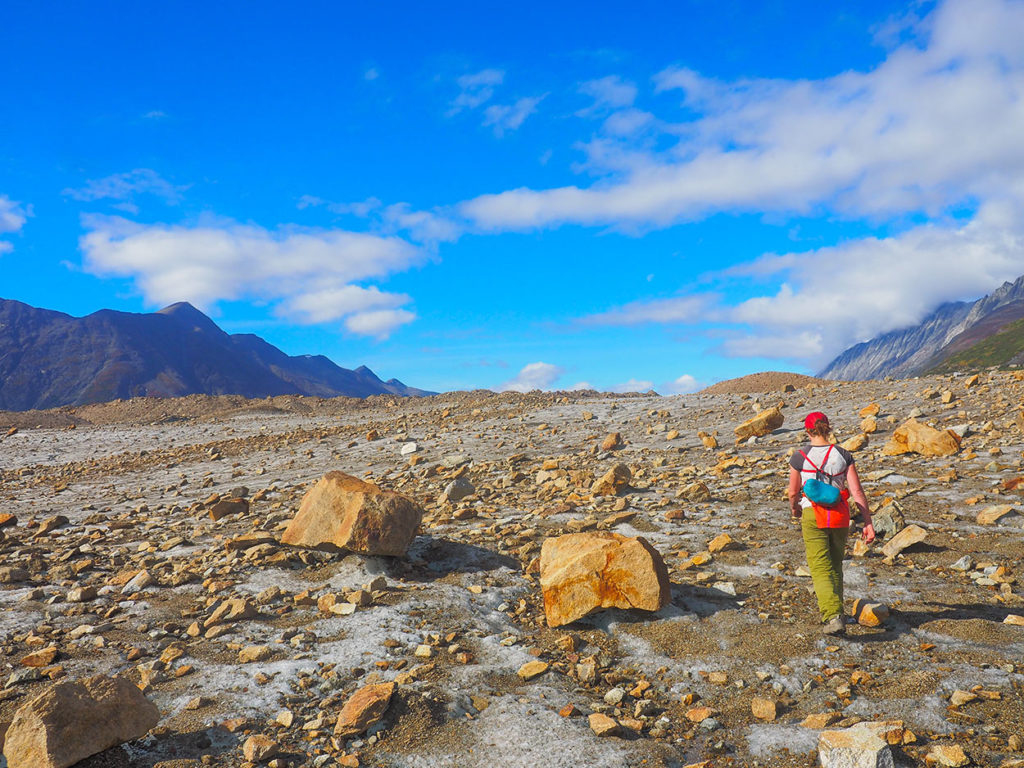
(1000,349)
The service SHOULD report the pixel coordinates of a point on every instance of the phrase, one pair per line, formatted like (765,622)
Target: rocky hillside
(50,359)
(947,331)
(179,555)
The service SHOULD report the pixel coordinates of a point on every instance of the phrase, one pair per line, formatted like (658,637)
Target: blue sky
(529,195)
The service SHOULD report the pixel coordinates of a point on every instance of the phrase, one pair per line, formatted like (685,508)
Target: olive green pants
(825,547)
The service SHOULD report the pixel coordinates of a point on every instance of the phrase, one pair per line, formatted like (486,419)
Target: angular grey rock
(888,522)
(453,460)
(12,575)
(965,563)
(458,489)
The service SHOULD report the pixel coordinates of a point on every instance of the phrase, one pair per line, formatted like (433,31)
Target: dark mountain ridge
(49,359)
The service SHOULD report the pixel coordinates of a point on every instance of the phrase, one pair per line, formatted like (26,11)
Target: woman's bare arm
(857,492)
(794,493)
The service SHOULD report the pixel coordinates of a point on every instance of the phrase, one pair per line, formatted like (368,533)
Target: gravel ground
(135,480)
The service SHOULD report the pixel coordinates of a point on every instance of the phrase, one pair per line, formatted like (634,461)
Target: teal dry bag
(822,493)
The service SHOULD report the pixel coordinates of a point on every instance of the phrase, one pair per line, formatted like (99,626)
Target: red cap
(813,418)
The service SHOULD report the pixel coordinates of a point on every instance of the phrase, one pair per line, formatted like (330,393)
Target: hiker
(821,477)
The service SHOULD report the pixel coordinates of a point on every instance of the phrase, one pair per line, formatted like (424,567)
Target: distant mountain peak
(186,314)
(952,328)
(181,309)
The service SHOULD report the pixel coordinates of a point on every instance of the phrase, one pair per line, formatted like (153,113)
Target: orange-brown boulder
(709,441)
(764,423)
(584,572)
(363,709)
(855,443)
(612,482)
(224,507)
(914,437)
(72,720)
(612,442)
(870,614)
(344,512)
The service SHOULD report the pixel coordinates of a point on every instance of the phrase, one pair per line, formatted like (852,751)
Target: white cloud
(371,73)
(362,208)
(509,117)
(930,132)
(310,275)
(155,114)
(533,376)
(795,345)
(831,298)
(936,124)
(684,385)
(13,216)
(683,309)
(874,285)
(628,122)
(633,385)
(476,89)
(608,92)
(428,227)
(324,305)
(124,187)
(379,323)
(581,386)
(421,226)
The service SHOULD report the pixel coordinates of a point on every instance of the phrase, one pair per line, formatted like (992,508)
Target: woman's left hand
(869,533)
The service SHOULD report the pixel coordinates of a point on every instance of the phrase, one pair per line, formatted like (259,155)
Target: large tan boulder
(584,572)
(344,512)
(914,437)
(764,423)
(72,720)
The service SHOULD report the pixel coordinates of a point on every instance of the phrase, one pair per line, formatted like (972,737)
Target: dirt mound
(766,381)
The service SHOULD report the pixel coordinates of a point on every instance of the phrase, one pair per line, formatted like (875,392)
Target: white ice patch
(364,633)
(291,581)
(520,732)
(356,571)
(923,714)
(746,571)
(763,740)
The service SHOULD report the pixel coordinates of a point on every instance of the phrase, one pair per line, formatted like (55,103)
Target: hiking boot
(835,626)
